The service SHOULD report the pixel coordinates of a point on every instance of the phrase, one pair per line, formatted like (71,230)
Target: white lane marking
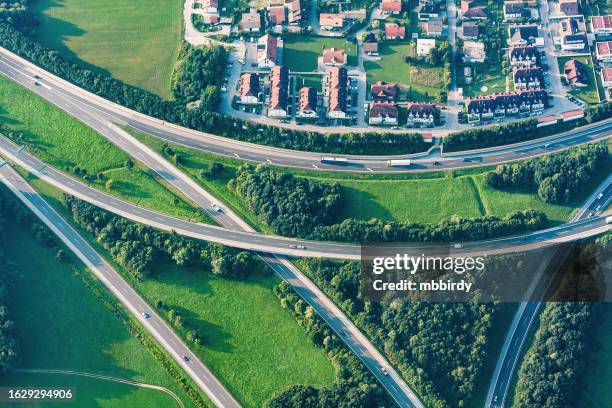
(269,161)
(236,155)
(369,169)
(315,166)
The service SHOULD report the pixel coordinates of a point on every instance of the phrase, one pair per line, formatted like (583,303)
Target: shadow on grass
(364,206)
(57,33)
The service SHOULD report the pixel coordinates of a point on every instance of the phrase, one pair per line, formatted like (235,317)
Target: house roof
(383,90)
(210,3)
(527,75)
(331,20)
(604,48)
(391,6)
(572,113)
(370,47)
(334,56)
(277,14)
(606,73)
(279,90)
(249,84)
(338,78)
(394,30)
(525,32)
(527,52)
(471,29)
(600,22)
(474,49)
(569,7)
(476,12)
(504,100)
(432,27)
(383,109)
(575,72)
(308,99)
(250,20)
(421,109)
(270,50)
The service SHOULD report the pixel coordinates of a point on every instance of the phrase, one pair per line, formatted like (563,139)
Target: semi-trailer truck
(398,162)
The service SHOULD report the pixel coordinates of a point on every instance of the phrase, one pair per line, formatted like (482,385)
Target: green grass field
(423,197)
(595,391)
(134,41)
(588,94)
(62,141)
(62,325)
(300,53)
(424,82)
(253,345)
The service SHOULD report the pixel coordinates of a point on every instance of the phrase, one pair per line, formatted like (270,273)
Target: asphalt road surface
(527,312)
(154,324)
(84,105)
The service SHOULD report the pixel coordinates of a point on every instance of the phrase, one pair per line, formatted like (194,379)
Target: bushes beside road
(9,347)
(557,177)
(137,247)
(197,117)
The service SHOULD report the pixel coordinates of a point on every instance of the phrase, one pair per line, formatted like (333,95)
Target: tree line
(354,386)
(292,206)
(138,247)
(515,132)
(557,177)
(9,346)
(197,117)
(439,348)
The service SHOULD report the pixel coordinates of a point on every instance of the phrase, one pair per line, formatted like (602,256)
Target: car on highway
(436,163)
(185,358)
(598,207)
(458,246)
(383,370)
(599,196)
(215,208)
(145,315)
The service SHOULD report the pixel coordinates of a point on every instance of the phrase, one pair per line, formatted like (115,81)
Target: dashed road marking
(236,155)
(369,169)
(315,166)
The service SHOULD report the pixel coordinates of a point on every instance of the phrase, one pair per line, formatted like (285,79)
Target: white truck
(398,162)
(334,160)
(609,220)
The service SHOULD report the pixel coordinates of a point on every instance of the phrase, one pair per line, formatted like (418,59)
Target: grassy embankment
(422,197)
(134,41)
(251,344)
(62,325)
(300,53)
(63,142)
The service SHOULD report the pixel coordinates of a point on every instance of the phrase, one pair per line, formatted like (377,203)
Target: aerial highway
(509,358)
(283,245)
(83,105)
(145,315)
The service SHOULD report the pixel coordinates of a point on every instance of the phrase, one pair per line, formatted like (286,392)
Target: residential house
(267,51)
(433,28)
(575,73)
(371,48)
(308,103)
(296,12)
(485,108)
(358,14)
(383,91)
(527,78)
(337,80)
(394,31)
(471,30)
(249,89)
(279,92)
(421,115)
(383,113)
(333,57)
(606,77)
(277,15)
(603,52)
(528,56)
(391,6)
(524,35)
(572,32)
(331,22)
(424,46)
(570,7)
(250,22)
(428,11)
(515,10)
(476,13)
(601,26)
(210,6)
(474,51)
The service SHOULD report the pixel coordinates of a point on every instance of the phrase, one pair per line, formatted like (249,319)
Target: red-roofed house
(572,115)
(601,26)
(421,115)
(277,14)
(383,91)
(603,51)
(333,57)
(606,77)
(394,31)
(308,103)
(331,22)
(383,113)
(250,22)
(267,51)
(547,120)
(391,6)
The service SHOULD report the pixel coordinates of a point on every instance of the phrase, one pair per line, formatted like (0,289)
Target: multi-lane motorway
(83,105)
(150,320)
(510,355)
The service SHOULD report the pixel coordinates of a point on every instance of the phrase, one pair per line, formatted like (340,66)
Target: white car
(216,208)
(383,370)
(458,246)
(599,196)
(145,315)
